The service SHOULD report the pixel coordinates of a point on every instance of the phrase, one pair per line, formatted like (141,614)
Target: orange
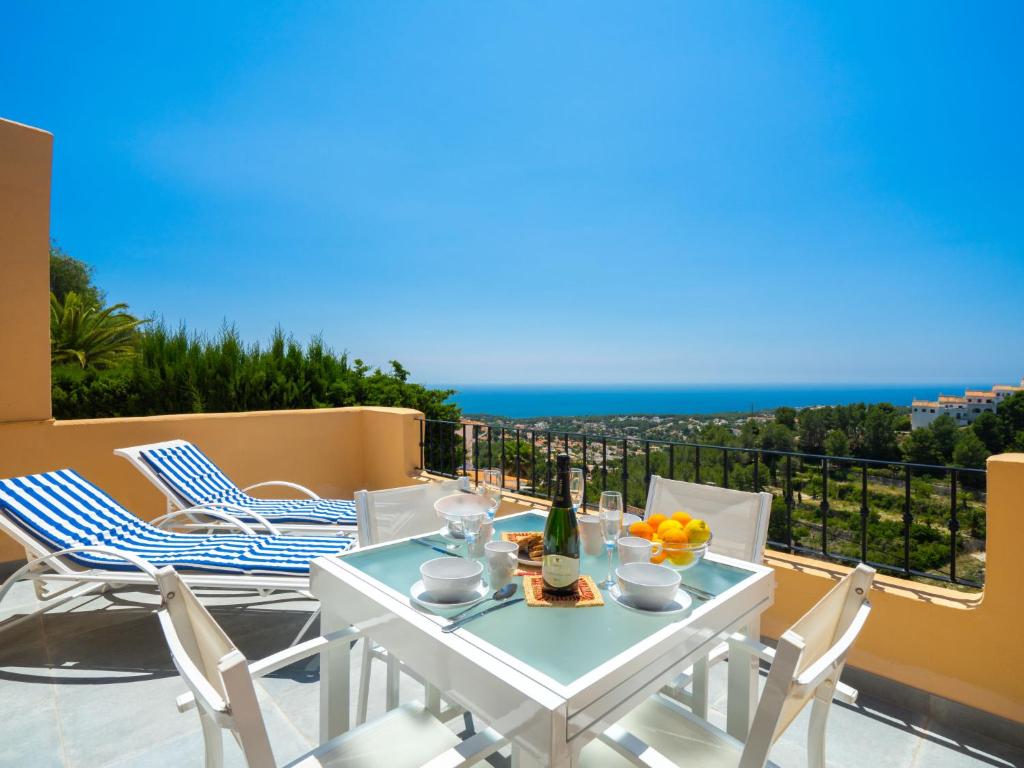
(675,536)
(682,517)
(655,520)
(668,525)
(659,558)
(697,531)
(641,529)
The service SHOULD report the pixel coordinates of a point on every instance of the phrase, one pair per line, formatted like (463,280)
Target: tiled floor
(92,686)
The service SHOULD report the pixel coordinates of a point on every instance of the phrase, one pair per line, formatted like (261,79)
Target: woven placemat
(587,594)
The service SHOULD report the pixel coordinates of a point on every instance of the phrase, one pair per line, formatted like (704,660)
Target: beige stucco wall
(25,161)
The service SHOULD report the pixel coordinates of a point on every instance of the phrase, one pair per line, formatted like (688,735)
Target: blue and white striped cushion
(197,480)
(62,509)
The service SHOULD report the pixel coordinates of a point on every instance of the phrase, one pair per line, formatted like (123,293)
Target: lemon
(681,517)
(667,526)
(697,531)
(681,558)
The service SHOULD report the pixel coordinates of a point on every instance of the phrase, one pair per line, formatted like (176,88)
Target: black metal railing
(913,520)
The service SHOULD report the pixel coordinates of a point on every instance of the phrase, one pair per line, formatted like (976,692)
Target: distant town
(963,409)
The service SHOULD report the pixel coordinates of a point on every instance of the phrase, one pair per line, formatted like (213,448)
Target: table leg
(335,668)
(743,668)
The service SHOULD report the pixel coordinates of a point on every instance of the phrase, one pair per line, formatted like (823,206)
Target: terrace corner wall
(26,156)
(960,646)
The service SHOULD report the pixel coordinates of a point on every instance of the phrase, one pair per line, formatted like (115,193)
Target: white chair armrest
(281,659)
(203,510)
(224,505)
(283,484)
(471,751)
(755,647)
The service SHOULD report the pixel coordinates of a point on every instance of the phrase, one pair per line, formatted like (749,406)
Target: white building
(963,410)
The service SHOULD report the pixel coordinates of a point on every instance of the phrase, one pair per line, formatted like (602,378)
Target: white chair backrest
(396,513)
(213,669)
(809,659)
(738,519)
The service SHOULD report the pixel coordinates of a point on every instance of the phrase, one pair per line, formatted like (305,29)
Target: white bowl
(647,585)
(453,508)
(451,579)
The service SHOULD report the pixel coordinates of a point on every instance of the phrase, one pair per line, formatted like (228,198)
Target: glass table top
(562,643)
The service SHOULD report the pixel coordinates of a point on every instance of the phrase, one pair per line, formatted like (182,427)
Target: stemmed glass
(576,488)
(490,489)
(610,511)
(471,526)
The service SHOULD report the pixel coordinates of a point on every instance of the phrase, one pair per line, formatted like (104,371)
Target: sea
(520,402)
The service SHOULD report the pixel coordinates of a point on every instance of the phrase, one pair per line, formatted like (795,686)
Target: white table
(549,679)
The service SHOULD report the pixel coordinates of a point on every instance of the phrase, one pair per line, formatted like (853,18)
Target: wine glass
(471,523)
(610,511)
(576,488)
(491,490)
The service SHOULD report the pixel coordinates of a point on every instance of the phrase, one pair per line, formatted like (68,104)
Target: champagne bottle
(560,568)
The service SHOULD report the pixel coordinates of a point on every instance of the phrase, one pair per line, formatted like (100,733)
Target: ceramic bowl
(453,508)
(647,585)
(451,579)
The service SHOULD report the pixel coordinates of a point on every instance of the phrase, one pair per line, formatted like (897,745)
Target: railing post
(757,474)
(696,464)
(907,520)
(824,507)
(604,464)
(476,454)
(533,461)
(954,526)
(503,458)
(725,467)
(422,458)
(465,453)
(789,503)
(549,464)
(647,469)
(583,504)
(671,461)
(864,512)
(625,475)
(518,449)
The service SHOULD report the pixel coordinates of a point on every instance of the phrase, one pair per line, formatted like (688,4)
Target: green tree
(989,429)
(813,424)
(1011,415)
(969,450)
(88,334)
(836,443)
(922,448)
(944,430)
(880,433)
(69,275)
(777,437)
(750,434)
(786,416)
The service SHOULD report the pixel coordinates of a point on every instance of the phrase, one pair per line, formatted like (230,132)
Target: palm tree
(90,335)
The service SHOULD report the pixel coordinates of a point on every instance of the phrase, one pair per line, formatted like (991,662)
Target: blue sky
(562,192)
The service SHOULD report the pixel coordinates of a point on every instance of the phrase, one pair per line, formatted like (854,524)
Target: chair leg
(816,733)
(364,681)
(699,700)
(393,666)
(213,743)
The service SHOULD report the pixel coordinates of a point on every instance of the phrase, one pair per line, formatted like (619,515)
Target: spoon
(502,594)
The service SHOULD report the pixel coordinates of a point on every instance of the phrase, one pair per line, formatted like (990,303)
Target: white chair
(220,681)
(739,526)
(387,515)
(805,666)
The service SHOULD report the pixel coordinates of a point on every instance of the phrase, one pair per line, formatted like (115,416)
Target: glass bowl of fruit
(681,541)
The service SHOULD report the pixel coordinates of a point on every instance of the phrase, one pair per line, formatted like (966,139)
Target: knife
(436,549)
(451,627)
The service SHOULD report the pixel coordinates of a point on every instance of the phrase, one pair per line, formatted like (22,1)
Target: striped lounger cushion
(197,480)
(62,510)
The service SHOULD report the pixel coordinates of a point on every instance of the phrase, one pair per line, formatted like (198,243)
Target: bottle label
(560,571)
